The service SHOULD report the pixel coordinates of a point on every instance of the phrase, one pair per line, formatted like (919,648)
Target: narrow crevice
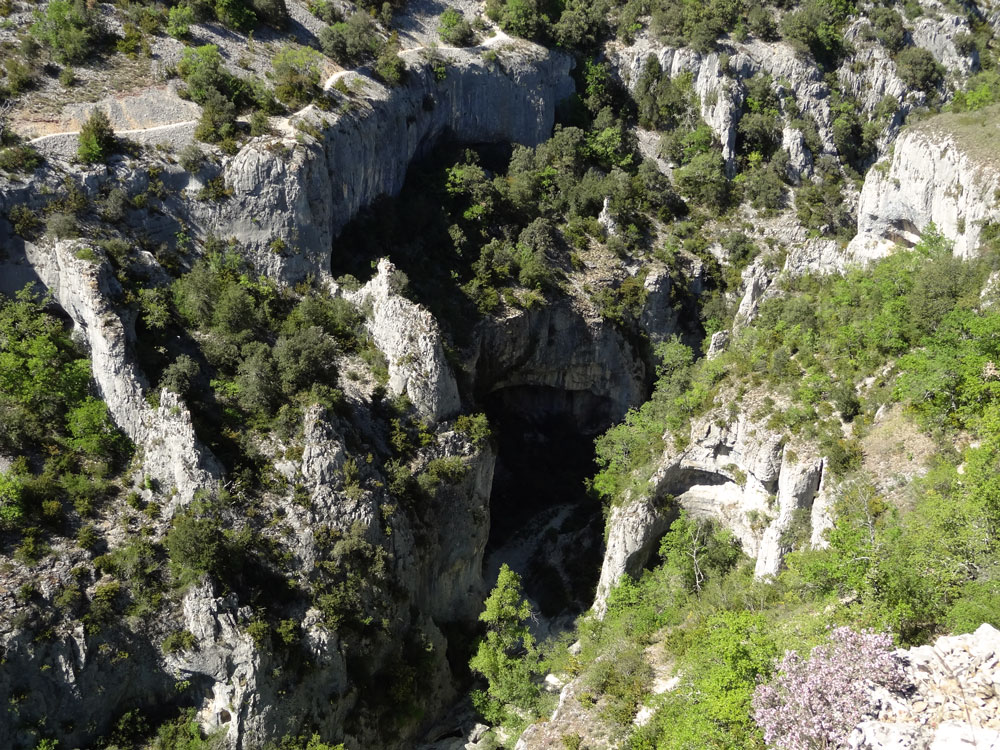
(543,522)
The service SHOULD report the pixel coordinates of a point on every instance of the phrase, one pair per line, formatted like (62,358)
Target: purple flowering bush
(816,702)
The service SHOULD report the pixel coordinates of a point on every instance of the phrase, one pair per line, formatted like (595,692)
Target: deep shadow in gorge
(543,522)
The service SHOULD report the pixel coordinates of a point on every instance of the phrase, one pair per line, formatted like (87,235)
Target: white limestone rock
(927,178)
(410,338)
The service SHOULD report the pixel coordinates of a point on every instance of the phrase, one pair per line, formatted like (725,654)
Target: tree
(97,138)
(11,500)
(351,42)
(179,21)
(296,73)
(195,544)
(218,118)
(389,65)
(202,71)
(695,549)
(703,181)
(507,657)
(454,29)
(918,69)
(68,29)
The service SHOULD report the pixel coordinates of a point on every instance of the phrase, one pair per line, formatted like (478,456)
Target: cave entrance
(543,522)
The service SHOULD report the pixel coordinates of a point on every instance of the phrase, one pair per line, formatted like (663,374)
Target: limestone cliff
(360,151)
(735,471)
(936,173)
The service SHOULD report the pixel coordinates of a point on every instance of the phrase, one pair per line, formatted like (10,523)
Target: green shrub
(235,14)
(61,226)
(389,66)
(454,29)
(918,69)
(351,42)
(194,544)
(11,499)
(203,72)
(69,29)
(97,138)
(889,28)
(177,641)
(273,12)
(180,20)
(296,74)
(24,220)
(703,181)
(91,430)
(21,158)
(20,75)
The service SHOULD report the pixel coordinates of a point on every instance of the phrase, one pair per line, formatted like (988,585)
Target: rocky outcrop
(931,176)
(410,338)
(953,702)
(84,289)
(734,471)
(589,371)
(937,32)
(719,89)
(304,188)
(658,318)
(634,529)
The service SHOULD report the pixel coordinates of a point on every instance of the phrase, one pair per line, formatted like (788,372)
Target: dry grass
(976,133)
(895,451)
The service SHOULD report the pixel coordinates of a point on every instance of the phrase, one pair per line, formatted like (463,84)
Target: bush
(218,118)
(11,499)
(389,66)
(61,226)
(179,376)
(351,42)
(97,138)
(180,20)
(235,14)
(454,29)
(21,158)
(24,220)
(91,430)
(918,69)
(68,28)
(177,641)
(521,18)
(195,544)
(274,12)
(202,71)
(703,181)
(296,73)
(191,158)
(889,28)
(20,75)
(817,702)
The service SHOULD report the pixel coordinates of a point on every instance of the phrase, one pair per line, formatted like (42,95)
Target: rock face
(741,474)
(720,90)
(302,194)
(362,152)
(84,289)
(586,367)
(410,338)
(929,177)
(954,702)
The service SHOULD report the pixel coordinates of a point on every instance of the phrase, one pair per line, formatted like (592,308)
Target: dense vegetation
(478,232)
(64,447)
(914,568)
